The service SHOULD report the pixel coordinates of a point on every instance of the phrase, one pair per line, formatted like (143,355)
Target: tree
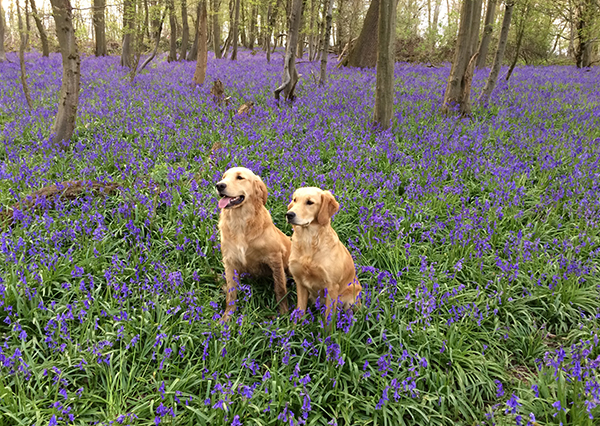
(586,12)
(185,34)
(202,34)
(99,27)
(216,28)
(235,29)
(128,23)
(290,74)
(173,36)
(521,25)
(495,71)
(2,51)
(458,88)
(325,44)
(64,124)
(487,33)
(364,52)
(41,30)
(384,87)
(23,38)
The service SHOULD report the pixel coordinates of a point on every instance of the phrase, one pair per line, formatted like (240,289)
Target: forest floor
(476,240)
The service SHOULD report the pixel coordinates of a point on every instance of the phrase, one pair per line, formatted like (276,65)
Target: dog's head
(311,206)
(239,186)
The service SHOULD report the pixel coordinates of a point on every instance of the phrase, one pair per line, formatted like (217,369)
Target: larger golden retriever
(250,242)
(319,261)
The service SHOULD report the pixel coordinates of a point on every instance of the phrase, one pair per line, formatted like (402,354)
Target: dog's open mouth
(227,202)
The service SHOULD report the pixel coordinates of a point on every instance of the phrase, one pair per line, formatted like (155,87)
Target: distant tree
(235,29)
(458,89)
(364,51)
(128,33)
(202,34)
(185,33)
(41,30)
(290,74)
(325,43)
(521,25)
(2,25)
(99,27)
(384,86)
(490,15)
(587,12)
(216,28)
(495,71)
(68,99)
(23,38)
(173,35)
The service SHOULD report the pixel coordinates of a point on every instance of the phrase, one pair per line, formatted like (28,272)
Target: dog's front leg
(280,285)
(331,299)
(232,278)
(302,299)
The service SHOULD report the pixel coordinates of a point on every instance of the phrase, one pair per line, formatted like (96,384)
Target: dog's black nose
(221,186)
(290,215)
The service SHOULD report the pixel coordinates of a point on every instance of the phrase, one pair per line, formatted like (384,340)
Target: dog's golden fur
(319,261)
(250,242)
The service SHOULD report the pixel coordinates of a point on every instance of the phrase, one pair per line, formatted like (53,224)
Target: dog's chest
(308,270)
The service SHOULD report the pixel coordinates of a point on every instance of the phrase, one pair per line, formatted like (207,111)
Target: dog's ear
(328,208)
(260,190)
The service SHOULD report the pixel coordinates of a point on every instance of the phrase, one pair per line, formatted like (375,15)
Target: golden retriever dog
(319,261)
(250,242)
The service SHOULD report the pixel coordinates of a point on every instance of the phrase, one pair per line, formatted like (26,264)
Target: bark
(311,35)
(173,27)
(202,59)
(290,74)
(458,87)
(340,27)
(490,16)
(520,33)
(364,52)
(495,71)
(236,23)
(253,27)
(128,17)
(384,86)
(99,27)
(157,42)
(2,50)
(216,28)
(41,30)
(193,53)
(583,24)
(325,43)
(64,124)
(23,38)
(185,34)
(271,25)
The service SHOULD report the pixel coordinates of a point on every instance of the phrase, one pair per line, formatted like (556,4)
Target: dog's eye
(240,178)
(294,200)
(310,203)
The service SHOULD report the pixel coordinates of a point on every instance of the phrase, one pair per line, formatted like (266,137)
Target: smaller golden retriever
(319,261)
(250,242)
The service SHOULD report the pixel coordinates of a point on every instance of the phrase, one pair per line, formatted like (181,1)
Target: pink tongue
(223,202)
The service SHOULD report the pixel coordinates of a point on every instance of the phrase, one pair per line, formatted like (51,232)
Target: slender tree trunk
(325,44)
(193,53)
(64,124)
(99,27)
(290,74)
(342,37)
(384,86)
(157,42)
(236,24)
(490,16)
(128,30)
(185,34)
(271,26)
(520,33)
(202,59)
(459,83)
(2,25)
(495,71)
(22,45)
(41,30)
(173,36)
(253,27)
(583,25)
(216,29)
(364,51)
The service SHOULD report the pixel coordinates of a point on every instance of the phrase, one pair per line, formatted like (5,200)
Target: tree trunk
(193,53)
(271,25)
(364,51)
(253,27)
(584,29)
(128,17)
(99,27)
(2,51)
(487,33)
(495,71)
(325,44)
(64,124)
(236,23)
(185,34)
(173,36)
(290,74)
(458,87)
(216,29)
(520,33)
(22,45)
(202,59)
(41,30)
(384,86)
(157,42)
